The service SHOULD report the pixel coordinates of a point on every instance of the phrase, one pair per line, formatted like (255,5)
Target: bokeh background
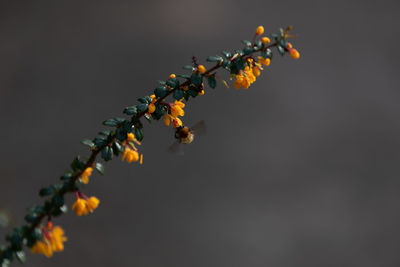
(300,170)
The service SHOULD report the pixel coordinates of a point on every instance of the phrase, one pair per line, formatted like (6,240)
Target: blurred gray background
(300,170)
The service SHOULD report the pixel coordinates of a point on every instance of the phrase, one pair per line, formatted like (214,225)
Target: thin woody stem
(96,151)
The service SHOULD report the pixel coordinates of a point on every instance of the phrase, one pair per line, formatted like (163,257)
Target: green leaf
(267,53)
(100,141)
(142,107)
(46,191)
(214,59)
(248,50)
(100,167)
(139,134)
(117,148)
(145,99)
(57,211)
(212,82)
(31,218)
(275,36)
(178,94)
(184,76)
(131,110)
(226,64)
(196,79)
(66,176)
(33,237)
(246,42)
(20,255)
(192,91)
(77,164)
(58,200)
(105,133)
(161,82)
(88,142)
(5,263)
(281,50)
(120,134)
(226,54)
(106,153)
(160,111)
(160,91)
(188,67)
(173,82)
(110,122)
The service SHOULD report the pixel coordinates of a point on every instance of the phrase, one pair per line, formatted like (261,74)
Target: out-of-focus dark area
(302,169)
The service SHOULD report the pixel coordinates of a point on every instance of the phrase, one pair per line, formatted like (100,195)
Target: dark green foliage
(226,54)
(212,82)
(281,50)
(189,67)
(106,153)
(267,53)
(173,82)
(88,142)
(184,76)
(31,218)
(196,79)
(131,110)
(214,59)
(192,91)
(77,164)
(246,42)
(159,112)
(46,191)
(142,107)
(58,200)
(248,50)
(139,134)
(160,91)
(20,256)
(34,236)
(178,94)
(110,122)
(145,99)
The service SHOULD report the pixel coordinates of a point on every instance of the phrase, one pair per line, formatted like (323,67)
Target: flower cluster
(83,205)
(131,153)
(52,241)
(175,110)
(244,65)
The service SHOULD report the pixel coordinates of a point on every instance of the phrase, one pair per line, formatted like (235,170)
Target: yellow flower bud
(151,108)
(201,92)
(130,137)
(256,71)
(201,69)
(172,76)
(294,53)
(265,40)
(289,46)
(259,30)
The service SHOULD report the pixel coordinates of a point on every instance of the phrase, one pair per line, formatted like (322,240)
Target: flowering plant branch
(40,235)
